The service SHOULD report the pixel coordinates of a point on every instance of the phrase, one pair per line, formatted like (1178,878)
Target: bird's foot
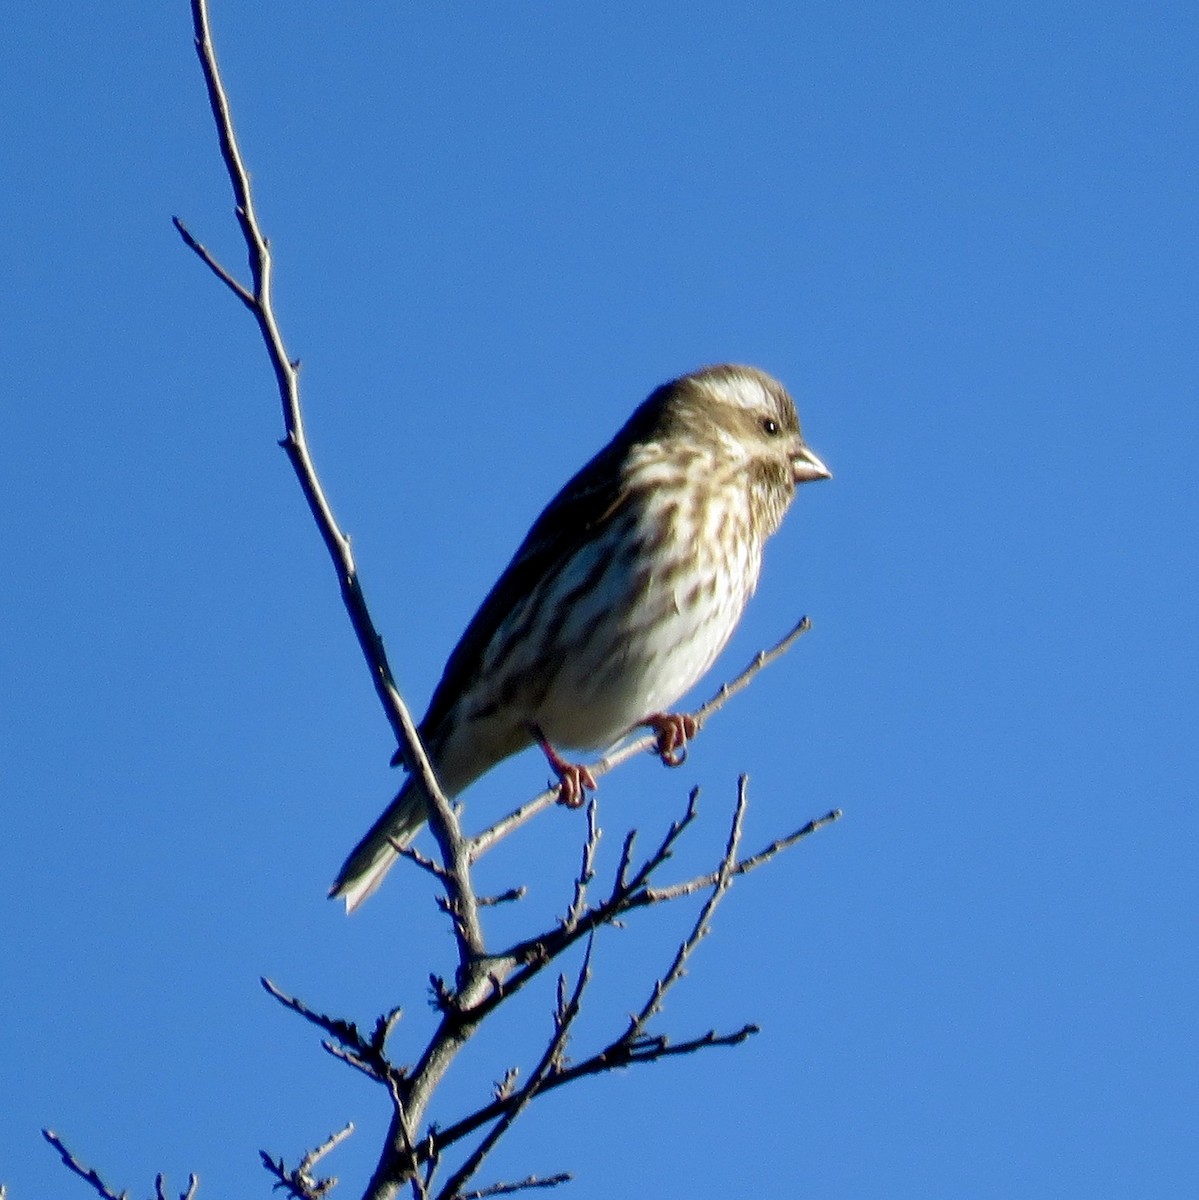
(574,779)
(673,730)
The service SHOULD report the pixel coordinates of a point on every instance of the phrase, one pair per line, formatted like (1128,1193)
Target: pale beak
(808,467)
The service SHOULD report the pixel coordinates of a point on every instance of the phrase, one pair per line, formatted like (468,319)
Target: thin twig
(743,866)
(724,878)
(563,1019)
(612,1058)
(88,1174)
(260,302)
(631,891)
(160,1188)
(532,955)
(364,1053)
(485,839)
(586,870)
(512,894)
(344,1031)
(210,260)
(508,1189)
(413,855)
(300,1182)
(412,1160)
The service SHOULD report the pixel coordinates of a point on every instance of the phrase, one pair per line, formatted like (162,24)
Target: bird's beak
(808,467)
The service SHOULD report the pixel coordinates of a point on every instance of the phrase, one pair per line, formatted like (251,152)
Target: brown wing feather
(586,503)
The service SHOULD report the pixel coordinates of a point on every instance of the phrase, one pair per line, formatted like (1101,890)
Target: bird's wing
(590,500)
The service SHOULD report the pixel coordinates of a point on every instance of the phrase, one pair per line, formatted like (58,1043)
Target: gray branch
(91,1176)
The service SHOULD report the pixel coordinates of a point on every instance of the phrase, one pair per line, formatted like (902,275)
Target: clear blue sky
(963,234)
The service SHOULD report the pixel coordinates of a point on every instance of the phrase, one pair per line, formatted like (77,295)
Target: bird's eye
(770,426)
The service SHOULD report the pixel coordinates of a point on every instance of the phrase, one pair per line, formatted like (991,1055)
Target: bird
(622,594)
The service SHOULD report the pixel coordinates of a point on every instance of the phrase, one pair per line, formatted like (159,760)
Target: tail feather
(372,858)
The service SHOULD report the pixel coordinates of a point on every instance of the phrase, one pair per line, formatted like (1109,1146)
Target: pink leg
(574,779)
(673,730)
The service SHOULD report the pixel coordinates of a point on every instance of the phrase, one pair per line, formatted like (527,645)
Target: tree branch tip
(508,897)
(272,989)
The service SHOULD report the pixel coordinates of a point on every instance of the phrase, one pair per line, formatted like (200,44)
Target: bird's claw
(674,730)
(574,779)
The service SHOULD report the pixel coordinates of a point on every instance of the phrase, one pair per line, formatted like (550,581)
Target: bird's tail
(373,857)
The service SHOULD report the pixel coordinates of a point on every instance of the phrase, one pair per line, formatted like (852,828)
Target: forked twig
(300,1182)
(259,300)
(568,1010)
(364,1053)
(724,878)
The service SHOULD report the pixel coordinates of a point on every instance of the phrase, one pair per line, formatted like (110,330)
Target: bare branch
(586,870)
(411,1156)
(219,271)
(563,1019)
(612,1058)
(461,902)
(366,1054)
(761,660)
(160,1188)
(423,861)
(483,841)
(87,1174)
(260,301)
(724,877)
(508,1189)
(513,893)
(745,865)
(300,1182)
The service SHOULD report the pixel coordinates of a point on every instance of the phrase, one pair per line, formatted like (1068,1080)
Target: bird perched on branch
(619,599)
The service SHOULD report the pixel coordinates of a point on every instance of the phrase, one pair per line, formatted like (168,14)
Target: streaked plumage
(620,597)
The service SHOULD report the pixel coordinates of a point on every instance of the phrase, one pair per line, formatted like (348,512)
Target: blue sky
(965,237)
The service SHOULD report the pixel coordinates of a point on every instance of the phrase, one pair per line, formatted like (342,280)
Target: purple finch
(620,598)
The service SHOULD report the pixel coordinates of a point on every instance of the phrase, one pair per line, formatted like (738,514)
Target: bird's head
(745,420)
